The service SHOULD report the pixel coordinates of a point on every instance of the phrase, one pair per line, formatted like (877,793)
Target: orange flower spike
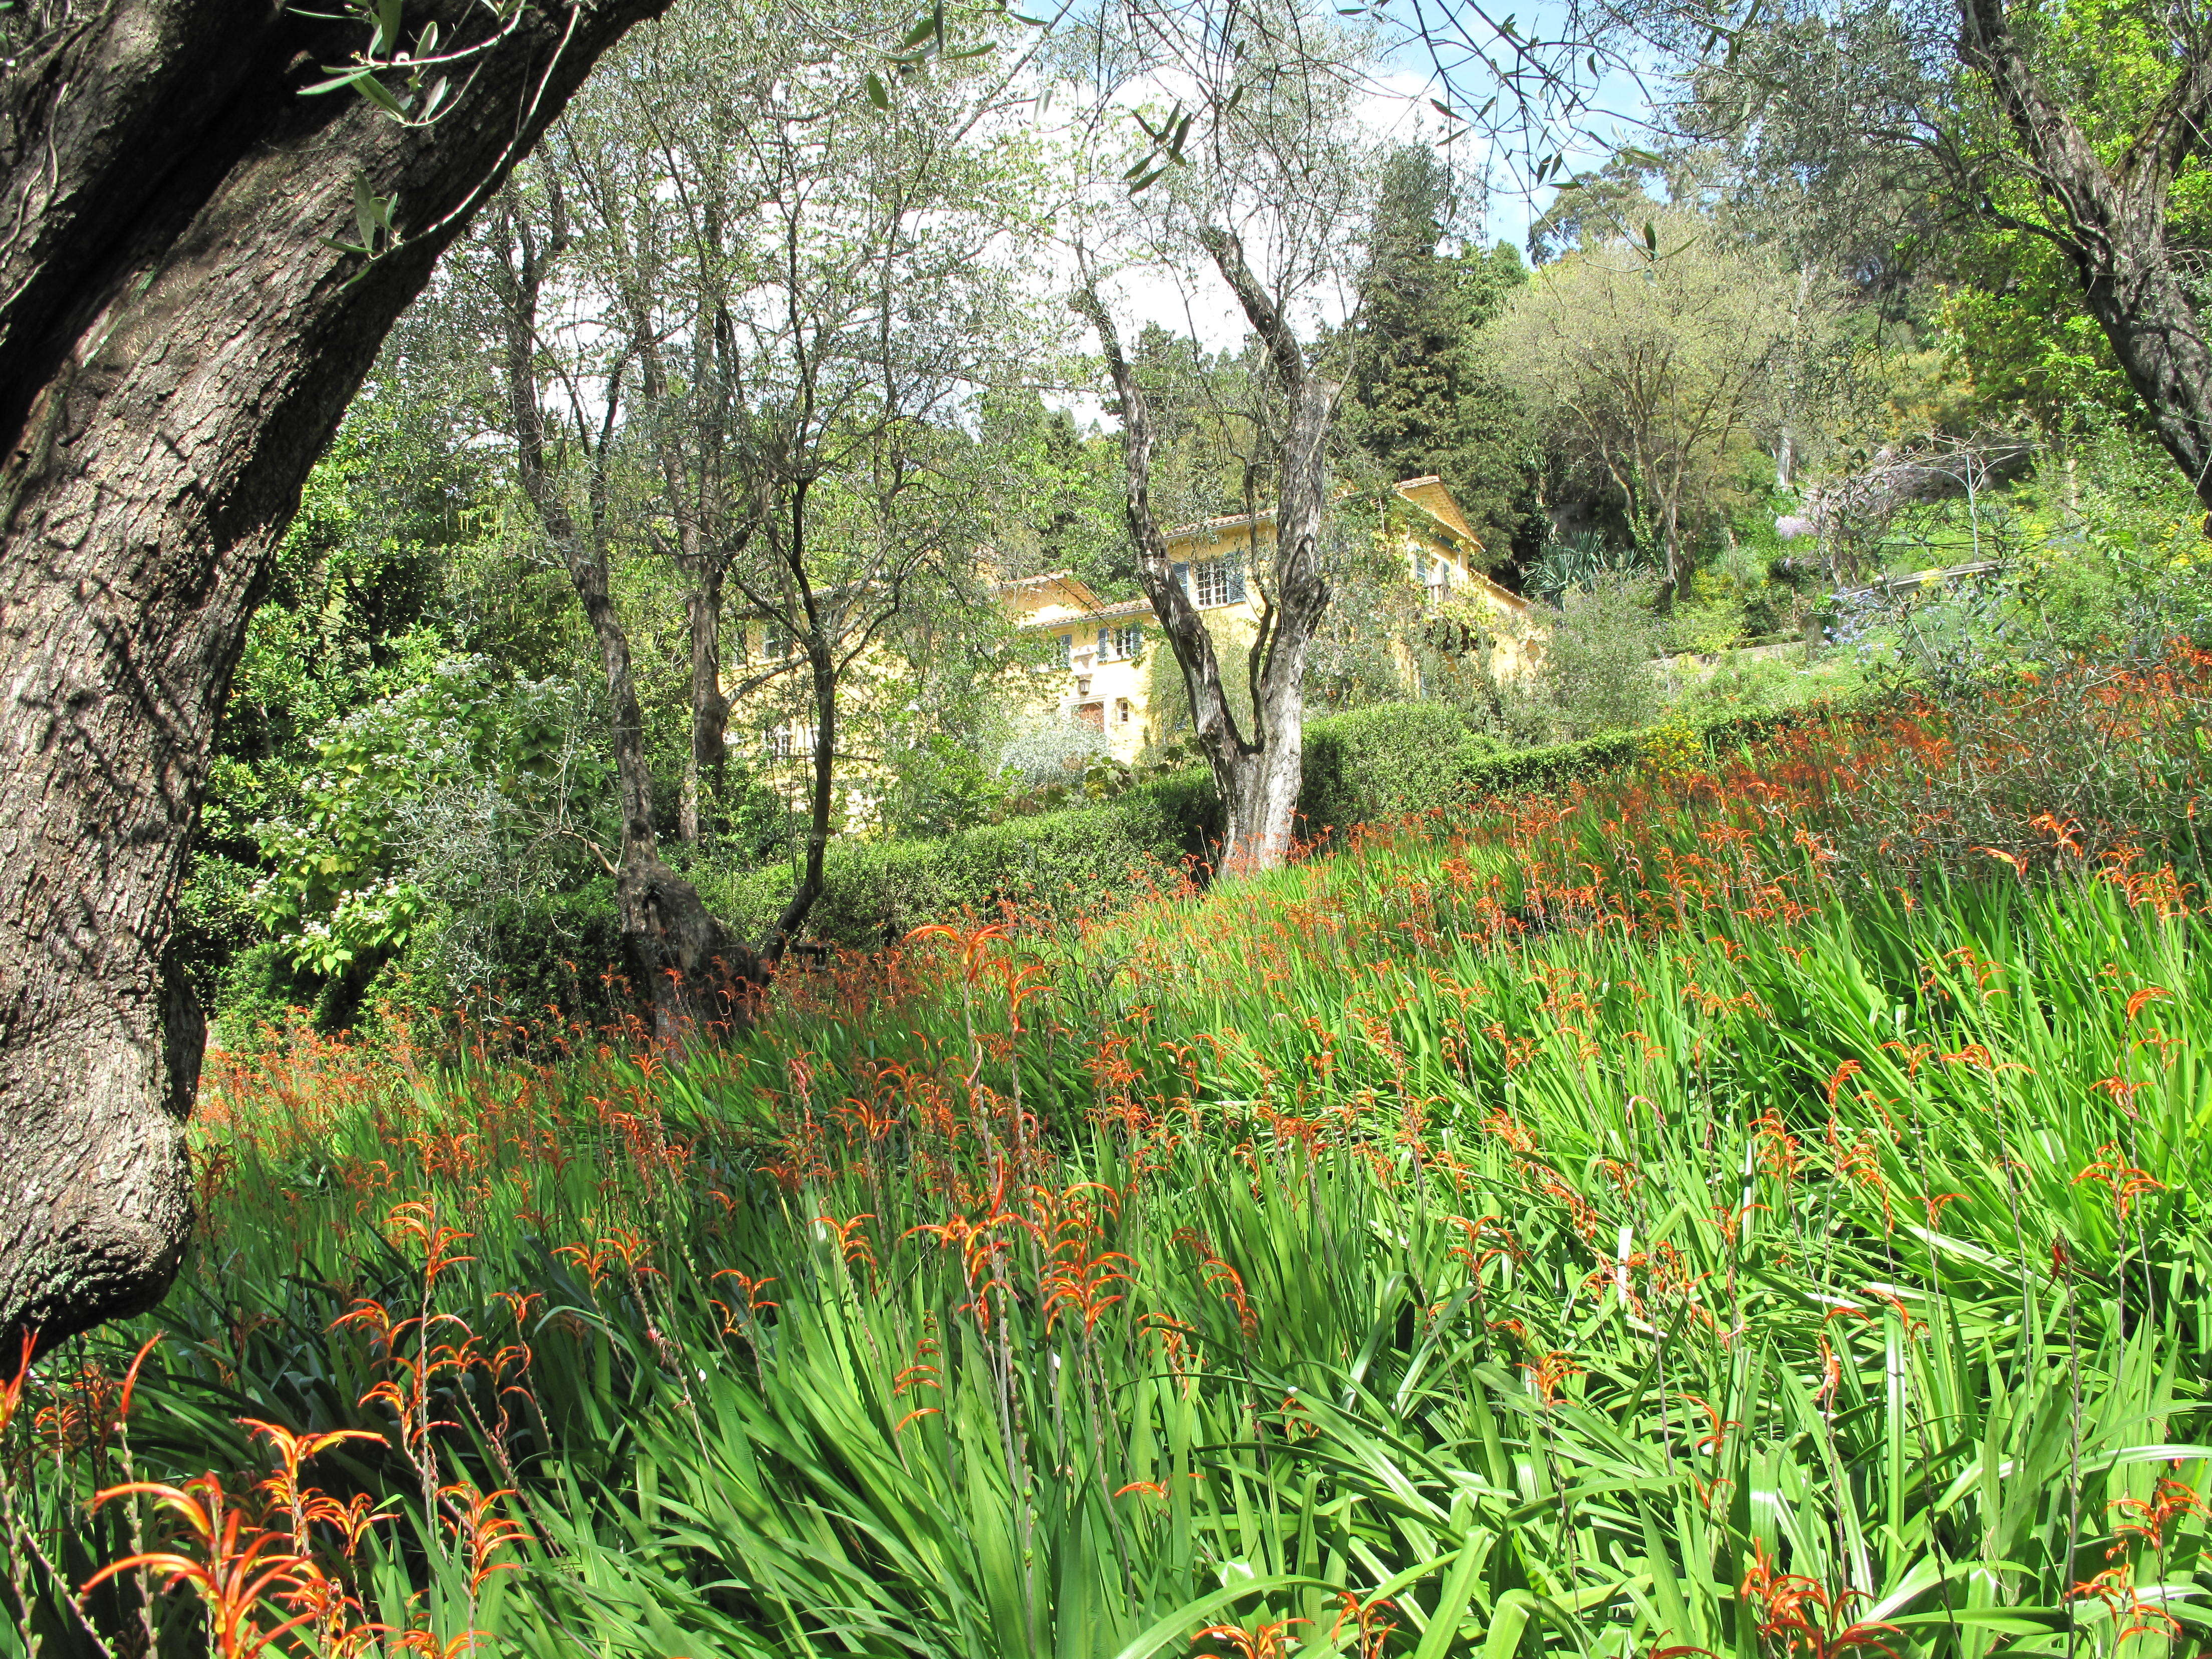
(350,1520)
(1832,1375)
(11,1392)
(1914,1053)
(486,1533)
(972,948)
(1271,1640)
(293,1449)
(852,1239)
(1367,1618)
(235,1578)
(2124,1181)
(2150,1516)
(1935,1207)
(2144,999)
(426,1644)
(129,1382)
(371,1315)
(1717,1437)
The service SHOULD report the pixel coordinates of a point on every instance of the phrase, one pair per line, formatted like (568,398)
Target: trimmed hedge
(876,890)
(1373,764)
(1385,761)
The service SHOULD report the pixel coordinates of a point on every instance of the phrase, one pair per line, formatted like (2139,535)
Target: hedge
(1373,764)
(875,890)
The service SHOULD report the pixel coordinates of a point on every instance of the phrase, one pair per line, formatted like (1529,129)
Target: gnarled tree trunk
(1258,774)
(2111,222)
(178,343)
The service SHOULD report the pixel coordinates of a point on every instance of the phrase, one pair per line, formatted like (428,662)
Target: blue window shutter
(1236,583)
(1182,575)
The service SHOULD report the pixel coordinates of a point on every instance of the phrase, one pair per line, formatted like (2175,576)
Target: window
(775,644)
(1120,711)
(788,742)
(1067,650)
(1436,578)
(1218,582)
(1128,641)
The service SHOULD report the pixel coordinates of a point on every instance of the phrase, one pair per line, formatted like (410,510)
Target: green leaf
(380,95)
(878,93)
(338,78)
(367,217)
(1451,1605)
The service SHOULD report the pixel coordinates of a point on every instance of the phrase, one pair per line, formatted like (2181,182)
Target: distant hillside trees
(1646,359)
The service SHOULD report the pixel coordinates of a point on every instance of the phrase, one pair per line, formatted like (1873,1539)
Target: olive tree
(1646,358)
(1272,211)
(188,299)
(739,310)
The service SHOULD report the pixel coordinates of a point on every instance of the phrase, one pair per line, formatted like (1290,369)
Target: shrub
(1059,862)
(1386,761)
(1596,674)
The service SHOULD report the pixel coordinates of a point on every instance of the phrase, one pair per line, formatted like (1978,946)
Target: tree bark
(2113,227)
(814,639)
(691,971)
(176,344)
(704,761)
(1259,773)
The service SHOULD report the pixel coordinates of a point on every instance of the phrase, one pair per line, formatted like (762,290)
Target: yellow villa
(1101,668)
(1101,673)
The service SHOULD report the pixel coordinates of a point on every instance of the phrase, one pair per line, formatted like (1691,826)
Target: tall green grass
(1581,1226)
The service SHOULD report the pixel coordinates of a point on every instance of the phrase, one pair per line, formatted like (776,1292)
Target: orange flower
(234,1571)
(1271,1640)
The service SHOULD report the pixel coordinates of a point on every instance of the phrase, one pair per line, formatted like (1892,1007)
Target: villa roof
(1441,513)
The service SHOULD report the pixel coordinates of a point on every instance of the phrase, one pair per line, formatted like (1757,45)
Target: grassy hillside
(1736,1207)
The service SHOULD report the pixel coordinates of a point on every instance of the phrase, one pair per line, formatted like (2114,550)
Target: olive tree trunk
(2110,221)
(178,342)
(688,969)
(1258,772)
